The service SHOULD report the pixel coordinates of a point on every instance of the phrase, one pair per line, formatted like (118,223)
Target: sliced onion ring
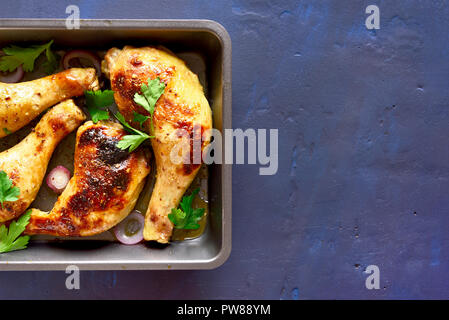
(83,54)
(130,230)
(58,178)
(11,77)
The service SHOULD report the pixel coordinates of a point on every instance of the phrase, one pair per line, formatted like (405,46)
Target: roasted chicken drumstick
(26,162)
(22,102)
(103,190)
(182,106)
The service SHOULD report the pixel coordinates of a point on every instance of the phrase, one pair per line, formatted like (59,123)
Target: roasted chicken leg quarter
(182,106)
(22,102)
(26,162)
(103,190)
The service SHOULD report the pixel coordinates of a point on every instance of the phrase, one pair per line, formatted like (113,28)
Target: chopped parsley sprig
(151,93)
(8,192)
(131,141)
(186,217)
(16,56)
(10,239)
(96,101)
(140,118)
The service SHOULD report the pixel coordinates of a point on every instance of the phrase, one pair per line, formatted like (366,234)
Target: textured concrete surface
(363,165)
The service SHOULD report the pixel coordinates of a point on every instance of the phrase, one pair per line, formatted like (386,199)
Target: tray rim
(222,35)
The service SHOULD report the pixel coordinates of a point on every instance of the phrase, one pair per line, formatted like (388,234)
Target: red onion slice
(58,178)
(11,77)
(130,230)
(81,54)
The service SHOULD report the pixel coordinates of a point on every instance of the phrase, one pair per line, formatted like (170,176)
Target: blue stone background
(363,153)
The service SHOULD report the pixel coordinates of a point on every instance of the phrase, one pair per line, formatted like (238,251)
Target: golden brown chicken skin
(22,102)
(182,106)
(26,162)
(103,190)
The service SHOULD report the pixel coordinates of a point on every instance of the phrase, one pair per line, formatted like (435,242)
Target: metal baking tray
(206,47)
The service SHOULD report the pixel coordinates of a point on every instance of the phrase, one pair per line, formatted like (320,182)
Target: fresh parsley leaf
(131,141)
(177,216)
(6,131)
(10,240)
(9,63)
(127,126)
(98,114)
(7,191)
(151,92)
(95,100)
(186,217)
(99,98)
(16,56)
(52,62)
(140,118)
